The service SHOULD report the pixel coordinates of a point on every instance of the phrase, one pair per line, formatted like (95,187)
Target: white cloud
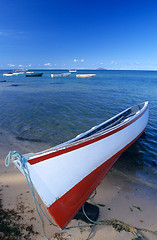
(77,60)
(11,65)
(47,64)
(4,33)
(114,63)
(20,65)
(101,63)
(12,33)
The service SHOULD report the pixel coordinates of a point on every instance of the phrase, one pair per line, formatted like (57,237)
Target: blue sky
(112,34)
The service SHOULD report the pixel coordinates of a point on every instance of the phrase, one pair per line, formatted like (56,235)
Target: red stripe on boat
(81,144)
(65,208)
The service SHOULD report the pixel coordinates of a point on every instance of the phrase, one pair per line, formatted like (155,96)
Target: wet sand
(120,196)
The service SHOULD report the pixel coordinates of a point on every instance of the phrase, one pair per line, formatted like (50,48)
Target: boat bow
(66,175)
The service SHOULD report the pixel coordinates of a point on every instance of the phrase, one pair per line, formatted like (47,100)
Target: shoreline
(120,196)
(123,194)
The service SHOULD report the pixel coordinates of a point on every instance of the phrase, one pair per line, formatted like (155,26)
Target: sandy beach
(120,196)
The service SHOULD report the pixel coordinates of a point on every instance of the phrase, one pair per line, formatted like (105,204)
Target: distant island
(100,68)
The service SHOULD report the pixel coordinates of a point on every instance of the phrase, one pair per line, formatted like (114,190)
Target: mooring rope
(13,155)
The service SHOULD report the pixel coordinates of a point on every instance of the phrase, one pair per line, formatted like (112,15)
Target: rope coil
(13,155)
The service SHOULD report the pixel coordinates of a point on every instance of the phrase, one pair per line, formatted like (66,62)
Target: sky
(78,34)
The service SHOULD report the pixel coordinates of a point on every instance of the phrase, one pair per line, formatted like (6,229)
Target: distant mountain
(100,68)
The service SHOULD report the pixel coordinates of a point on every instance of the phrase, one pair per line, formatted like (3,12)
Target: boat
(8,74)
(64,176)
(72,71)
(34,74)
(17,72)
(60,75)
(85,75)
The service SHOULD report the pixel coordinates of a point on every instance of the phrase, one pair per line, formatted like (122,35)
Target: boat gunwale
(74,144)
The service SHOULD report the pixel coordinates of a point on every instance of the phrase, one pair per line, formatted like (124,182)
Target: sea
(41,112)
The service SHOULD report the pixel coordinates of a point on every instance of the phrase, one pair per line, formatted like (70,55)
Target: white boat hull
(66,175)
(18,73)
(85,75)
(60,75)
(72,71)
(7,74)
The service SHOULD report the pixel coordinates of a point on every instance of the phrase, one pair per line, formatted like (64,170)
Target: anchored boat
(8,74)
(72,71)
(18,72)
(85,75)
(33,74)
(60,75)
(65,176)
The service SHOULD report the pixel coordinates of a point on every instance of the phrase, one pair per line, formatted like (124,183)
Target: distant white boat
(60,75)
(85,75)
(29,72)
(8,74)
(14,73)
(72,71)
(17,73)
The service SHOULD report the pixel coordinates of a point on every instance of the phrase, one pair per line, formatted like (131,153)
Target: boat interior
(111,122)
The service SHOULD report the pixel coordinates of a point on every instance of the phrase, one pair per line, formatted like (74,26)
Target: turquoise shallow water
(51,110)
